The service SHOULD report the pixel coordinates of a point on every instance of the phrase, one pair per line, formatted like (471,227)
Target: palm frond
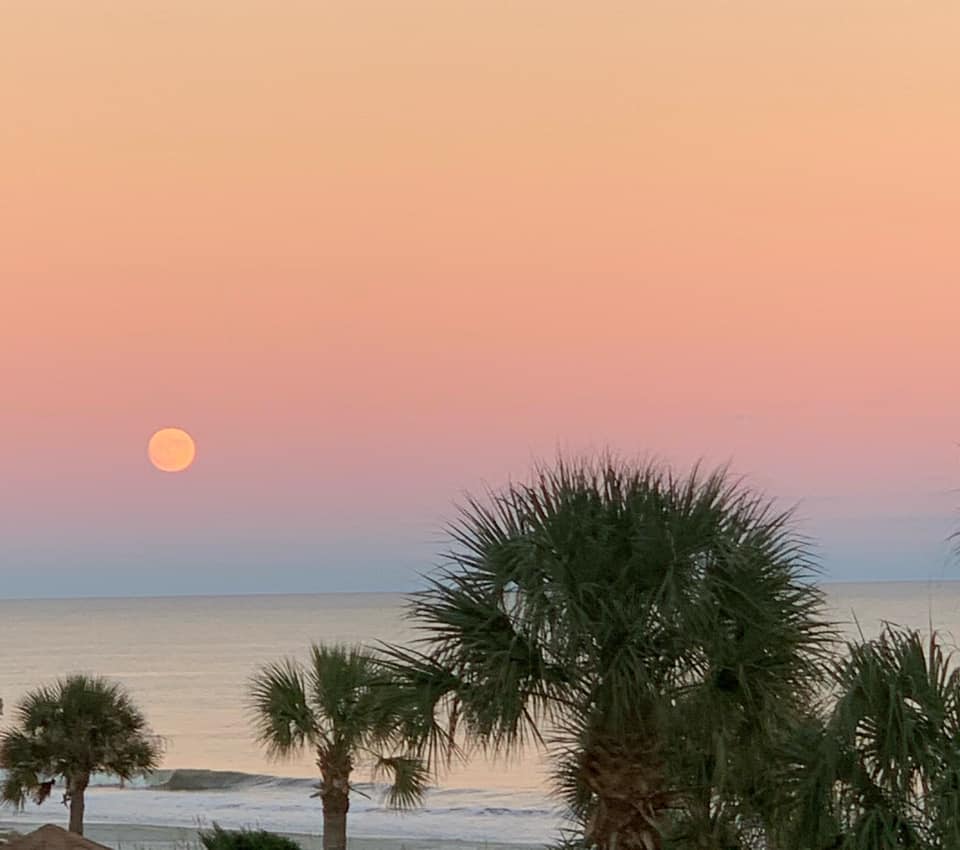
(420,695)
(408,777)
(280,710)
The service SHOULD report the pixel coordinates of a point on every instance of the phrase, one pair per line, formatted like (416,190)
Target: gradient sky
(372,254)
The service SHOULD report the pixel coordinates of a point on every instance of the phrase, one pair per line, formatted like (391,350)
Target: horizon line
(278,594)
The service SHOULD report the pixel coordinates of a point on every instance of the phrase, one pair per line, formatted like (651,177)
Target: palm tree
(336,708)
(657,634)
(883,771)
(79,726)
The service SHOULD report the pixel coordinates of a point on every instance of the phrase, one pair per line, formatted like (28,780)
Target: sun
(172,450)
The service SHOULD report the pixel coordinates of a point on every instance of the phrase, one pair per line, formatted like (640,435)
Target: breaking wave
(186,798)
(189,779)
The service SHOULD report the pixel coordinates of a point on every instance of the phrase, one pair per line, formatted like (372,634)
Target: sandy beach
(140,837)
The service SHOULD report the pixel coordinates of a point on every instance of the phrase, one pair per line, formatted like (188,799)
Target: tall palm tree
(658,634)
(335,708)
(883,771)
(70,730)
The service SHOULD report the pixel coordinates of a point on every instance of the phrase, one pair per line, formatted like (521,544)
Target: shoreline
(127,836)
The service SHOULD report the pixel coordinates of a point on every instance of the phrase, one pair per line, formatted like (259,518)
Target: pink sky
(373,253)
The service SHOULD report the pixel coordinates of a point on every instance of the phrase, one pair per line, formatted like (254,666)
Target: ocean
(187,661)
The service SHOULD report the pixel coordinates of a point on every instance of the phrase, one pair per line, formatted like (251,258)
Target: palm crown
(652,631)
(78,726)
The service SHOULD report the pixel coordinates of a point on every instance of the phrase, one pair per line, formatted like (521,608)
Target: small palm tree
(659,635)
(883,771)
(79,726)
(337,708)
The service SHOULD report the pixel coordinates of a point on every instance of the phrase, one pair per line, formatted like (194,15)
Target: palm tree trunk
(76,788)
(629,798)
(336,804)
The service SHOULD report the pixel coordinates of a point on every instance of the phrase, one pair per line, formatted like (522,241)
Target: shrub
(245,839)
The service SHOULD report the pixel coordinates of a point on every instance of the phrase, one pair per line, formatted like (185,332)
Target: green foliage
(339,707)
(408,780)
(76,727)
(883,772)
(660,635)
(245,839)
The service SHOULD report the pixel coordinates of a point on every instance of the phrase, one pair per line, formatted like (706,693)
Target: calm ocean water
(187,661)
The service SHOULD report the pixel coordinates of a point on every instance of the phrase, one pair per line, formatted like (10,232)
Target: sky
(373,255)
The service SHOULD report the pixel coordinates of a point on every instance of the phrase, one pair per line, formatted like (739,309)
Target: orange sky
(371,253)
